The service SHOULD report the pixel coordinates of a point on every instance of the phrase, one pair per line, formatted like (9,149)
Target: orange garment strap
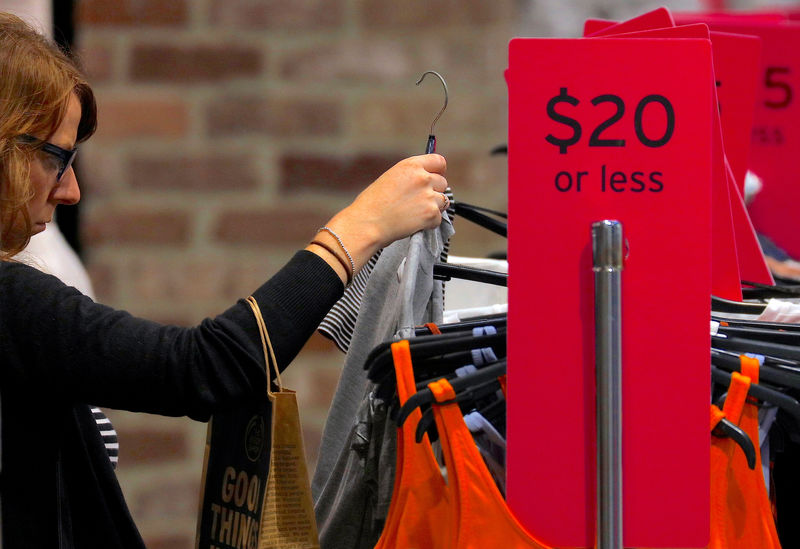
(480,517)
(419,505)
(403,370)
(741,516)
(716,416)
(433,328)
(442,390)
(750,367)
(737,393)
(760,517)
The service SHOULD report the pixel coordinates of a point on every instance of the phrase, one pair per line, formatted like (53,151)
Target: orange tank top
(480,517)
(419,508)
(741,516)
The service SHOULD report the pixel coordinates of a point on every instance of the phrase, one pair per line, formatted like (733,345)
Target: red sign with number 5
(775,144)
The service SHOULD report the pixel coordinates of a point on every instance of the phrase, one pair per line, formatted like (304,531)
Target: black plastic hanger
(497,320)
(736,322)
(466,399)
(721,305)
(744,345)
(730,362)
(766,291)
(495,413)
(460,385)
(430,368)
(761,334)
(762,392)
(725,428)
(379,361)
(475,215)
(446,271)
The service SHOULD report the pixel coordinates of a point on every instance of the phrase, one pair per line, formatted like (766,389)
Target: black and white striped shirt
(108,434)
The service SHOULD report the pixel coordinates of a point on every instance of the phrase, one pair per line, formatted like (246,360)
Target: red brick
(279,116)
(399,62)
(246,276)
(286,226)
(301,172)
(122,226)
(96,61)
(96,168)
(169,542)
(424,13)
(412,113)
(404,115)
(369,60)
(132,12)
(194,63)
(179,280)
(120,118)
(278,14)
(149,446)
(207,172)
(478,173)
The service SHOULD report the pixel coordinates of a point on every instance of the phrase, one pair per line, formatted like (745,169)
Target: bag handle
(269,353)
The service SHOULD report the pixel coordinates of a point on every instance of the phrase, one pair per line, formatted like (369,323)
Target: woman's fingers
(438,183)
(433,163)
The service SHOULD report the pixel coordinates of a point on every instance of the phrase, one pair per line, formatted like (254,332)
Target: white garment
(466,294)
(752,186)
(780,310)
(458,315)
(50,252)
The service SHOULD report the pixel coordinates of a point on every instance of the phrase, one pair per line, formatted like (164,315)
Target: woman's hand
(407,198)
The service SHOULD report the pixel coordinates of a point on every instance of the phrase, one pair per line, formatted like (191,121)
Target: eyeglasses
(65,157)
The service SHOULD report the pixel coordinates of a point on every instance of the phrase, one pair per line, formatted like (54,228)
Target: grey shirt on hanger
(353,481)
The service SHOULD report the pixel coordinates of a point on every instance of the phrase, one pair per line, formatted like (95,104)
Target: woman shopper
(59,350)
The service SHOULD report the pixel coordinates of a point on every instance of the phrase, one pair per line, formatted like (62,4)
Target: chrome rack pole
(607,252)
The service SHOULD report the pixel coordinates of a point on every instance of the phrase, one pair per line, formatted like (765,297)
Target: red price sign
(736,254)
(656,19)
(775,140)
(593,139)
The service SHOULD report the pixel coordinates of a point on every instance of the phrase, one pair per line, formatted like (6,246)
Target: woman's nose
(67,191)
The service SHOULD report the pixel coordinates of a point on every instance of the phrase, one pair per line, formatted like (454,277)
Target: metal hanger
(431,146)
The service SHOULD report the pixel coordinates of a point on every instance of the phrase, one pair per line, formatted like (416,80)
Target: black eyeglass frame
(67,157)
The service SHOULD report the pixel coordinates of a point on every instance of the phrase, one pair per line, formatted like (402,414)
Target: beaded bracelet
(349,257)
(338,257)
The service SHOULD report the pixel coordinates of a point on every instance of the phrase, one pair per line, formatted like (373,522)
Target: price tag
(736,254)
(775,137)
(592,26)
(737,59)
(656,19)
(725,268)
(591,139)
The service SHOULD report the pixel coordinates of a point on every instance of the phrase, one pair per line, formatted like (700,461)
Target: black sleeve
(57,343)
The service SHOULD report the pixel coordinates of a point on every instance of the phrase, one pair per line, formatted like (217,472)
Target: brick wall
(229,130)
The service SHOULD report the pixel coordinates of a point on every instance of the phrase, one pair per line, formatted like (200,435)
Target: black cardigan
(59,351)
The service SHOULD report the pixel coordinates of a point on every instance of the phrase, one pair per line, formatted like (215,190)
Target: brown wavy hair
(36,80)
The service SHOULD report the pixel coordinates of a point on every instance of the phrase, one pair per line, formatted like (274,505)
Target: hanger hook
(444,84)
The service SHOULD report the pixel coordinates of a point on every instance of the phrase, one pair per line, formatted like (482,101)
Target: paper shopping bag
(255,489)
